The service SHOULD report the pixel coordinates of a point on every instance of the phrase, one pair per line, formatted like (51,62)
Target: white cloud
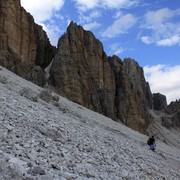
(116,48)
(94,14)
(119,51)
(118,4)
(118,14)
(146,39)
(165,80)
(90,26)
(84,5)
(91,16)
(53,32)
(163,29)
(169,41)
(42,9)
(156,18)
(120,26)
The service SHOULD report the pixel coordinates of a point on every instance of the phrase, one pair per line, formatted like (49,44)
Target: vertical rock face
(23,44)
(133,96)
(173,107)
(82,72)
(172,115)
(159,101)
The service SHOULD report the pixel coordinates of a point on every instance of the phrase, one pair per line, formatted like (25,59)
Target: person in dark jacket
(151,143)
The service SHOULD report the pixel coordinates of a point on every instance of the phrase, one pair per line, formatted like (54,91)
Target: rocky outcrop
(159,101)
(133,96)
(24,46)
(172,116)
(173,107)
(82,72)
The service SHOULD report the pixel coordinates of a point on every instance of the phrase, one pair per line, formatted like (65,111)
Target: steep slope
(171,118)
(165,120)
(24,46)
(164,131)
(82,72)
(63,140)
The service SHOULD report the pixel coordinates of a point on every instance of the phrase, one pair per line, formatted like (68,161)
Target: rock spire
(82,72)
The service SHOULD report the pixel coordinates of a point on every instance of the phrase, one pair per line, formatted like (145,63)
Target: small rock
(55,166)
(55,98)
(46,95)
(29,94)
(29,164)
(29,178)
(38,170)
(3,80)
(55,103)
(91,175)
(70,164)
(9,127)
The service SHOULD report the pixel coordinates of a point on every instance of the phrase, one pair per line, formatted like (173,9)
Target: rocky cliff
(159,101)
(82,72)
(24,46)
(133,97)
(170,114)
(171,119)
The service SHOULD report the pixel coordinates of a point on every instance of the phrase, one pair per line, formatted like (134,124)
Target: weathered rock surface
(133,96)
(173,107)
(172,117)
(23,44)
(82,72)
(159,101)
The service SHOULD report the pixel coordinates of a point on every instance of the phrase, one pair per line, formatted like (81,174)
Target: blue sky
(145,30)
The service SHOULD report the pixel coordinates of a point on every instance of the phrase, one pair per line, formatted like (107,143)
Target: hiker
(151,143)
